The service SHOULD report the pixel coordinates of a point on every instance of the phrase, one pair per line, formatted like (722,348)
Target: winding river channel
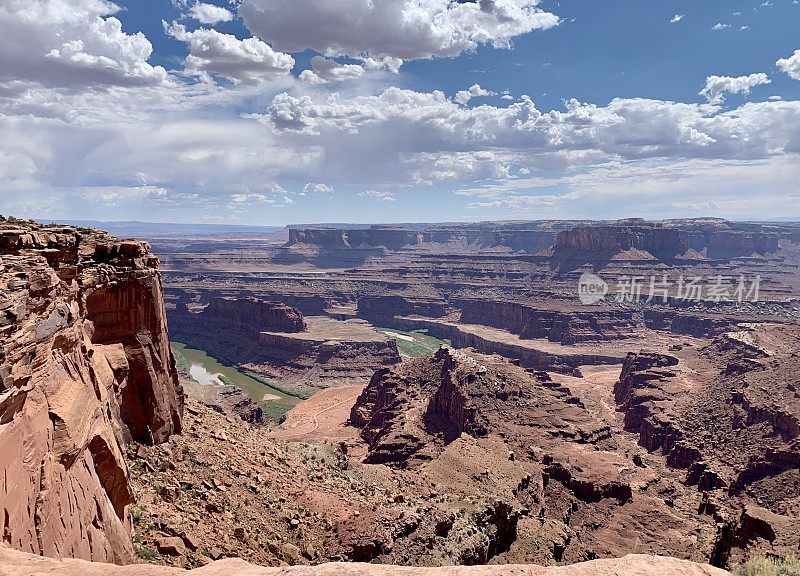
(209,371)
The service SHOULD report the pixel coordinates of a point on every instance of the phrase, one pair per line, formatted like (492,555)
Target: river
(207,370)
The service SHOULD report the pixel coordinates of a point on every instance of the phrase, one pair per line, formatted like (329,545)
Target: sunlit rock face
(86,367)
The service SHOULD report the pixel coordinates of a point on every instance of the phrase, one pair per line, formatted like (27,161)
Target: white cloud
(324,70)
(717,86)
(381,195)
(249,61)
(316,188)
(677,18)
(90,138)
(720,26)
(71,44)
(475,91)
(402,136)
(790,65)
(732,189)
(210,13)
(405,29)
(250,199)
(388,63)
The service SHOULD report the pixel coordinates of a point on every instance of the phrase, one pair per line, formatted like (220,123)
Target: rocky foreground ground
(13,563)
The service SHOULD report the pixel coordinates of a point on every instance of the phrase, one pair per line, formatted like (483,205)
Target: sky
(272,112)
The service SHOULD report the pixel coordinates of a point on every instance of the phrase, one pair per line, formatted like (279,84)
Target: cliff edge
(85,367)
(13,563)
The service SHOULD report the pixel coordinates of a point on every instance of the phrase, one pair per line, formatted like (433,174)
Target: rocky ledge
(14,563)
(85,367)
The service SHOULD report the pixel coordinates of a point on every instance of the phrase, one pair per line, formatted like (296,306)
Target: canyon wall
(667,241)
(86,368)
(252,316)
(530,237)
(731,428)
(232,320)
(565,327)
(274,340)
(336,238)
(717,239)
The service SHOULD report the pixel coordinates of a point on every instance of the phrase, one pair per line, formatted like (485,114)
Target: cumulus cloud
(91,139)
(249,61)
(677,18)
(324,70)
(475,91)
(70,44)
(717,86)
(316,188)
(387,63)
(210,13)
(250,199)
(406,136)
(790,65)
(403,29)
(381,195)
(720,26)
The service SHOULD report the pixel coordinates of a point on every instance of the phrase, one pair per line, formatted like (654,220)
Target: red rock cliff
(254,316)
(85,367)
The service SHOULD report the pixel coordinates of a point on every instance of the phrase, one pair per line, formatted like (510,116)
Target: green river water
(207,370)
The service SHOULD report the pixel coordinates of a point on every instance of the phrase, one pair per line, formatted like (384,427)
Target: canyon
(458,402)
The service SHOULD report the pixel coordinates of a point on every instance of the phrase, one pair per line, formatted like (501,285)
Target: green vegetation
(277,386)
(181,363)
(421,345)
(275,412)
(225,380)
(137,516)
(789,566)
(145,553)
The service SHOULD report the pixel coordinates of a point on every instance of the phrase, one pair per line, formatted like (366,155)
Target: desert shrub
(145,553)
(789,566)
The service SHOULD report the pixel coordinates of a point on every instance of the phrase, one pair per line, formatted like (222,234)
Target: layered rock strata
(278,342)
(86,368)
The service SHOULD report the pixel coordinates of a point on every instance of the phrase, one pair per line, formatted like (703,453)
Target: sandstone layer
(86,367)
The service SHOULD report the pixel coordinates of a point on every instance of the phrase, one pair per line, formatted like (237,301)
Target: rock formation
(624,237)
(86,367)
(728,418)
(335,238)
(666,241)
(726,244)
(566,327)
(16,564)
(276,341)
(240,317)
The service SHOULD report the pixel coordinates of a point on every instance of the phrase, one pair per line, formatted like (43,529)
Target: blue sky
(282,111)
